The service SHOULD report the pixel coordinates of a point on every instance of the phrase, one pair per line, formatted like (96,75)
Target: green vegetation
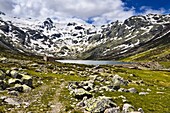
(50,91)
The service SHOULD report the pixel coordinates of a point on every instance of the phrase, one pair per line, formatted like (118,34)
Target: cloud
(147,10)
(98,11)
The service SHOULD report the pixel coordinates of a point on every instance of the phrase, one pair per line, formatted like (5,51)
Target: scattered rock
(117,81)
(3,60)
(2,75)
(132,90)
(99,104)
(15,93)
(26,79)
(140,110)
(11,101)
(143,93)
(14,81)
(123,90)
(127,108)
(80,93)
(112,110)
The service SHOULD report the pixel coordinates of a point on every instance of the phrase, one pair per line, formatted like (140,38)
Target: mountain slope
(76,40)
(135,35)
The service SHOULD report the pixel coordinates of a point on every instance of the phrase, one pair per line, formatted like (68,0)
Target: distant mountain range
(76,40)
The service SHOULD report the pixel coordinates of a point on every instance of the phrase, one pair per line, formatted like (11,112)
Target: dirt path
(57,107)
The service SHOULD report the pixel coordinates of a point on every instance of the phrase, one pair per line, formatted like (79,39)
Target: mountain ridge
(75,40)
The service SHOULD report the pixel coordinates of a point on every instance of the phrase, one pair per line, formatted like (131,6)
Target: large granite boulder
(80,93)
(2,75)
(99,104)
(128,108)
(117,81)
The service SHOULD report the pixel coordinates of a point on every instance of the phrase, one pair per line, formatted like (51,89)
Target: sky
(91,11)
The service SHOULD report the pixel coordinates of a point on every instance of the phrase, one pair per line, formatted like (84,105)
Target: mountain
(77,40)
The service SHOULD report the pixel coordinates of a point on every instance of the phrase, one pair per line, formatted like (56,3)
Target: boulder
(13,74)
(2,75)
(80,93)
(34,65)
(132,90)
(26,79)
(14,81)
(127,108)
(140,110)
(3,85)
(123,90)
(3,59)
(11,101)
(117,81)
(15,93)
(99,104)
(143,93)
(112,110)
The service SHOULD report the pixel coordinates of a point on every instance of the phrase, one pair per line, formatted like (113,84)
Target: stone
(140,110)
(123,90)
(99,104)
(11,101)
(132,90)
(105,88)
(80,93)
(13,74)
(112,110)
(81,103)
(38,70)
(127,108)
(143,93)
(34,65)
(117,81)
(14,81)
(22,88)
(26,79)
(3,85)
(3,59)
(2,75)
(15,93)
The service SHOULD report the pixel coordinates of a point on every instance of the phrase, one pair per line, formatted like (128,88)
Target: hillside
(76,40)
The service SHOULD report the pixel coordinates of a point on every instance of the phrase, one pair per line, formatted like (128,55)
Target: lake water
(92,62)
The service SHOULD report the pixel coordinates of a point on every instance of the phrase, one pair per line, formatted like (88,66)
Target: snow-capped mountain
(79,40)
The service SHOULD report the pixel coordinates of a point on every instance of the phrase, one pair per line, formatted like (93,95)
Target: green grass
(45,94)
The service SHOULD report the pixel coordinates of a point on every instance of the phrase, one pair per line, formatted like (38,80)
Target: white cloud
(148,10)
(99,10)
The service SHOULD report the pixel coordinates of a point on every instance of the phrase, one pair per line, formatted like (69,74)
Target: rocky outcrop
(13,80)
(99,104)
(85,92)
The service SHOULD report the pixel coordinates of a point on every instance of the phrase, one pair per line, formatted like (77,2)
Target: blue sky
(152,4)
(93,11)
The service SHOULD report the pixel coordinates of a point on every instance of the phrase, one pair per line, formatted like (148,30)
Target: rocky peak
(48,24)
(2,13)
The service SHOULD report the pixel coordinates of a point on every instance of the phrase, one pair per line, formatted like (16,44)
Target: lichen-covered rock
(112,110)
(13,74)
(127,108)
(14,81)
(26,79)
(99,104)
(117,81)
(3,59)
(3,85)
(11,101)
(143,93)
(80,93)
(132,90)
(2,75)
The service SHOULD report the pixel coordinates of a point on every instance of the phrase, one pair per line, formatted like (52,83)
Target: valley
(28,84)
